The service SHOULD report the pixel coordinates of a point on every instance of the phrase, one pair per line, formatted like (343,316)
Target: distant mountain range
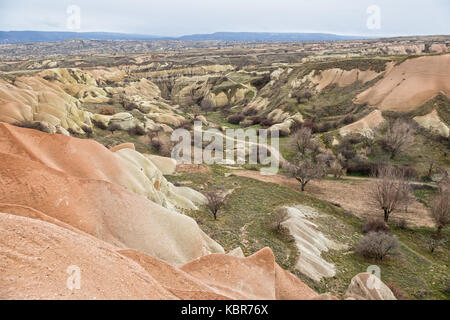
(50,36)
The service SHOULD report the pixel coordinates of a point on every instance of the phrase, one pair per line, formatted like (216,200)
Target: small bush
(88,130)
(100,125)
(107,111)
(350,118)
(361,167)
(137,130)
(215,201)
(447,287)
(267,123)
(377,245)
(311,125)
(402,224)
(278,217)
(162,145)
(235,119)
(129,106)
(375,225)
(114,126)
(398,292)
(256,120)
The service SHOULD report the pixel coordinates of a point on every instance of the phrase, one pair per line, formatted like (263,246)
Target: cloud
(177,17)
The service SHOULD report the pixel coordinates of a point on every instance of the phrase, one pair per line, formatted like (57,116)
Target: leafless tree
(336,169)
(215,201)
(304,170)
(388,191)
(440,210)
(302,140)
(310,162)
(207,105)
(377,245)
(279,216)
(398,138)
(407,197)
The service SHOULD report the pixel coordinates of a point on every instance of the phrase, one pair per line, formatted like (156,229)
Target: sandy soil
(352,194)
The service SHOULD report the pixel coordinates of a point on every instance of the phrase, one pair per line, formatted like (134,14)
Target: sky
(182,17)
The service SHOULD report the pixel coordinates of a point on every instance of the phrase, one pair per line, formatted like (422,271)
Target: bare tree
(407,197)
(195,110)
(279,216)
(377,245)
(305,169)
(215,201)
(431,166)
(398,138)
(336,169)
(206,105)
(440,210)
(388,191)
(302,140)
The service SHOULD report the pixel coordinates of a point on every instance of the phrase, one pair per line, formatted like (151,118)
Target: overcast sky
(179,17)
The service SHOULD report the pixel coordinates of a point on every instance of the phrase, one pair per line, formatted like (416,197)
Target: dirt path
(351,193)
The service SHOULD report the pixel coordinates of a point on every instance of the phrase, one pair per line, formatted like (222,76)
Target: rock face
(54,100)
(342,78)
(36,257)
(88,159)
(409,85)
(310,243)
(365,126)
(433,122)
(85,185)
(366,286)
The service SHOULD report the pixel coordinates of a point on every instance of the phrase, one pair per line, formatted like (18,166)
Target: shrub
(440,209)
(250,112)
(375,225)
(88,130)
(114,126)
(447,287)
(361,167)
(267,122)
(130,106)
(259,83)
(377,245)
(137,130)
(278,217)
(311,125)
(350,118)
(100,125)
(336,169)
(235,119)
(398,292)
(402,224)
(215,202)
(256,120)
(161,144)
(107,111)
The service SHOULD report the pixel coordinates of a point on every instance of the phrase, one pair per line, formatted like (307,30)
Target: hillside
(85,145)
